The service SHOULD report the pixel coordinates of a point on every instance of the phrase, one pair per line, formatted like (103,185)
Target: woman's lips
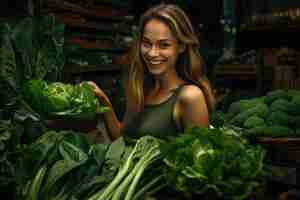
(155,62)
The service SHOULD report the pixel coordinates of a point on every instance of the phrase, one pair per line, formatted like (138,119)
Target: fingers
(91,83)
(96,89)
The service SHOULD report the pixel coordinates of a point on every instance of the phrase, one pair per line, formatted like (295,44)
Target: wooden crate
(281,150)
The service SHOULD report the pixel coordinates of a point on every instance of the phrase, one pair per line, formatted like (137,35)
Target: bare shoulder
(192,106)
(190,93)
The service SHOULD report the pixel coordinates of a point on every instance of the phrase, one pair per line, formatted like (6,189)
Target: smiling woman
(167,89)
(159,48)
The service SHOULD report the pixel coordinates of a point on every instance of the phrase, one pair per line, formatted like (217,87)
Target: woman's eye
(146,44)
(164,45)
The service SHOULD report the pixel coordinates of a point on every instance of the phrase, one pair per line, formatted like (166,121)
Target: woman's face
(159,47)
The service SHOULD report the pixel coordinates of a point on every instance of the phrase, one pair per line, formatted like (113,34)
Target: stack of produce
(213,161)
(277,114)
(58,100)
(64,165)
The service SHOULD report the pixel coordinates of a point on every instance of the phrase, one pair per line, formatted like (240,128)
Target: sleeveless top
(156,120)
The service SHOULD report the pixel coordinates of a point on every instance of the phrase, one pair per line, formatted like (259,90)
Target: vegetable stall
(41,161)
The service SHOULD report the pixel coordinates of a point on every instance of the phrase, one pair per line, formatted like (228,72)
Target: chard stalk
(36,184)
(139,165)
(120,175)
(146,187)
(147,161)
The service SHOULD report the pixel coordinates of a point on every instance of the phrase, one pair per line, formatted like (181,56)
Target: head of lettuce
(58,100)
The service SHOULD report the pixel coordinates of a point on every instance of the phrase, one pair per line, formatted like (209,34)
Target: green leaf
(8,68)
(115,151)
(57,171)
(2,146)
(71,152)
(42,150)
(78,139)
(22,35)
(6,135)
(98,152)
(36,184)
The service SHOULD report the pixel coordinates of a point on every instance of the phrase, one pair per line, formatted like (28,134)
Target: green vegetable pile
(58,100)
(276,114)
(131,183)
(216,161)
(66,166)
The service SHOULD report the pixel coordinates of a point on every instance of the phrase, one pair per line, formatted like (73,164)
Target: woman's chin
(156,72)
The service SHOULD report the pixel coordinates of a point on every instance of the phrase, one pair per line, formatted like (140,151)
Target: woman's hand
(99,93)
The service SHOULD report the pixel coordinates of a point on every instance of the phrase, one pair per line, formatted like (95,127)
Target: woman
(166,88)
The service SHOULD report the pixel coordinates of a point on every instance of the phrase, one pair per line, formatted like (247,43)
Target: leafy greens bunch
(134,179)
(276,114)
(217,161)
(60,100)
(64,165)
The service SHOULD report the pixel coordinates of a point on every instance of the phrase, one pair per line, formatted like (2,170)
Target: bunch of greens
(59,100)
(64,165)
(30,48)
(214,161)
(7,168)
(134,179)
(276,114)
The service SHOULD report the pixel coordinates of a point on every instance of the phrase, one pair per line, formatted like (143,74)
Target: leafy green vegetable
(276,94)
(260,110)
(27,51)
(279,118)
(242,105)
(213,160)
(278,131)
(254,121)
(58,97)
(59,100)
(36,184)
(144,153)
(280,105)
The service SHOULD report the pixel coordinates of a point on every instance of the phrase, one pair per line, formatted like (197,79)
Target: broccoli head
(242,105)
(260,110)
(280,105)
(278,131)
(279,118)
(254,121)
(276,94)
(294,106)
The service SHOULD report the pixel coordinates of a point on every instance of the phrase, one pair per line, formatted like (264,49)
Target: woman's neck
(167,82)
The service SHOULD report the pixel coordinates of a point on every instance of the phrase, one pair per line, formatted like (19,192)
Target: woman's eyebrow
(160,40)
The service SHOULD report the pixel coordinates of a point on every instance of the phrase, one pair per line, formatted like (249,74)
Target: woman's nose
(153,51)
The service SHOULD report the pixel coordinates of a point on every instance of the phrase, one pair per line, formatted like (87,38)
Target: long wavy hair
(189,65)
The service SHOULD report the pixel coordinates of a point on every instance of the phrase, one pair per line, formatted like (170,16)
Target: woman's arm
(112,123)
(111,120)
(192,107)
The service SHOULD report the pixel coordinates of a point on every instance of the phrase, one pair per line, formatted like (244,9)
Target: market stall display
(200,162)
(271,121)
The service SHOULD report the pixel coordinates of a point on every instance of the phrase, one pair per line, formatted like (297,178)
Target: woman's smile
(155,62)
(159,48)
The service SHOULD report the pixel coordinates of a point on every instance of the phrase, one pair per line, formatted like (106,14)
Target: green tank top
(156,120)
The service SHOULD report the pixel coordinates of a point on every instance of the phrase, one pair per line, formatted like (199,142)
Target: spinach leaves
(215,161)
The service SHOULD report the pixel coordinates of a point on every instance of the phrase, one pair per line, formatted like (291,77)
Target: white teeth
(155,63)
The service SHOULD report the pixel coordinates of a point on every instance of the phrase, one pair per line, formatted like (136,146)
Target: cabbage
(58,96)
(60,100)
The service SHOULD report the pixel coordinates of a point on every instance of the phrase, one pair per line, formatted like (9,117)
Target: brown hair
(189,66)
